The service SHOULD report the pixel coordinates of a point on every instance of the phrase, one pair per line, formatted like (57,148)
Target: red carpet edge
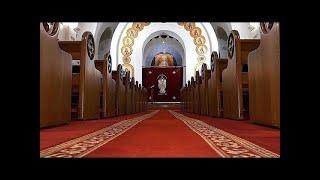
(225,144)
(83,145)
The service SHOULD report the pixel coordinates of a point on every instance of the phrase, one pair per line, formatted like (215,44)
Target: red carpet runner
(158,134)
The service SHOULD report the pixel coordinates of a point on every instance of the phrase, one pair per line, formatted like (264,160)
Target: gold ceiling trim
(132,33)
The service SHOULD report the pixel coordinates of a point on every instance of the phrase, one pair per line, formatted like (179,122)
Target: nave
(160,89)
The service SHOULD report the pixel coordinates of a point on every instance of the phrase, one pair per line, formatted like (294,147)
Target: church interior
(159,89)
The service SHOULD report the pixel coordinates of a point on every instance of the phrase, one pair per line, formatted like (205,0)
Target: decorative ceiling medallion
(109,63)
(131,32)
(201,49)
(138,26)
(128,41)
(201,58)
(126,59)
(90,46)
(189,26)
(200,40)
(51,27)
(195,32)
(230,45)
(266,27)
(126,50)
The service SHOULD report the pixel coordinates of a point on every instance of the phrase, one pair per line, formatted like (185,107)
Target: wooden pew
(183,97)
(128,93)
(133,95)
(195,97)
(137,96)
(55,79)
(108,87)
(235,77)
(86,84)
(205,75)
(118,76)
(215,97)
(197,100)
(140,98)
(264,77)
(190,96)
(145,99)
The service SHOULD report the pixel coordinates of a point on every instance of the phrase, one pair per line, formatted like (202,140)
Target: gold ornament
(129,68)
(126,50)
(126,59)
(131,32)
(189,26)
(201,58)
(201,49)
(138,26)
(200,40)
(195,32)
(128,41)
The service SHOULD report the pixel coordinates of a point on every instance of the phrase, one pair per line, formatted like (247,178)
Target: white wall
(172,29)
(244,30)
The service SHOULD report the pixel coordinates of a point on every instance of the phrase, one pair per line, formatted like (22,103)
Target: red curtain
(173,76)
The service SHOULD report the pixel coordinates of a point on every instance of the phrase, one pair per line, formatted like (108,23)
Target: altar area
(163,83)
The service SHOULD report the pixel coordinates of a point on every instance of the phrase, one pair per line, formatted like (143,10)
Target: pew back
(215,99)
(232,76)
(89,85)
(108,87)
(264,77)
(55,80)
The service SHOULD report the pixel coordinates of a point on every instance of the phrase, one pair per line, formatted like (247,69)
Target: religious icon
(201,49)
(128,41)
(201,58)
(200,40)
(195,32)
(126,50)
(137,26)
(162,84)
(126,59)
(90,46)
(131,32)
(189,26)
(230,46)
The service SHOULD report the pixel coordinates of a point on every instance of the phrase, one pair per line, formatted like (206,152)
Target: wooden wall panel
(264,79)
(55,82)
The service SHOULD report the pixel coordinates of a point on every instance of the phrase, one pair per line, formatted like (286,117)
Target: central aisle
(159,136)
